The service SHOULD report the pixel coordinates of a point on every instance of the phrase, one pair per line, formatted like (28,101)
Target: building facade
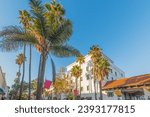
(87,87)
(3,85)
(133,88)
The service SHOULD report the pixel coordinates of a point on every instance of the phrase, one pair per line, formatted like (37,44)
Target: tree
(24,95)
(80,59)
(19,61)
(47,34)
(95,53)
(15,87)
(103,68)
(25,20)
(62,85)
(76,72)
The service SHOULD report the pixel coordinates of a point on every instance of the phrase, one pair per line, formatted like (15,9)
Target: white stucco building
(87,87)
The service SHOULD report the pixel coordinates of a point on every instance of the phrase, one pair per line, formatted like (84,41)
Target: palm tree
(52,35)
(102,71)
(25,21)
(80,59)
(76,72)
(30,61)
(47,35)
(23,73)
(19,62)
(95,53)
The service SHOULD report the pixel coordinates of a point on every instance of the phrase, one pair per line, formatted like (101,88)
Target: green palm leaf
(14,37)
(61,34)
(64,51)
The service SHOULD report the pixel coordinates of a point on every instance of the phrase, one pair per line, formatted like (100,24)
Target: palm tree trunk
(76,88)
(18,82)
(19,74)
(29,96)
(95,89)
(100,90)
(38,80)
(23,74)
(41,74)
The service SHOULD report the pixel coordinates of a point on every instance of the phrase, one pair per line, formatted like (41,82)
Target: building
(87,87)
(133,88)
(3,85)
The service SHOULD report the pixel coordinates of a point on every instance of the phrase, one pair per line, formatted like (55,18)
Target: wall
(86,70)
(2,80)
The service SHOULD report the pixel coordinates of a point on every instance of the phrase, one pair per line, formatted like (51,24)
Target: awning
(132,90)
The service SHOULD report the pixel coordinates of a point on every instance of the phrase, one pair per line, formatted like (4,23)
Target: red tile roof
(127,82)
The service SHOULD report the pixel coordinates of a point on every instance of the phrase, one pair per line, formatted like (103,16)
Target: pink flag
(47,84)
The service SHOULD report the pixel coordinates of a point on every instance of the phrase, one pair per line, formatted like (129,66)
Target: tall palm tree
(25,21)
(95,53)
(47,35)
(52,35)
(80,59)
(76,72)
(102,71)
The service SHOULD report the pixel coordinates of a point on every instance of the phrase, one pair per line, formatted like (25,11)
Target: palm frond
(53,70)
(64,51)
(37,11)
(61,34)
(14,37)
(36,6)
(9,30)
(9,46)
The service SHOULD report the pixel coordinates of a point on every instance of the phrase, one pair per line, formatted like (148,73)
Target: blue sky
(120,27)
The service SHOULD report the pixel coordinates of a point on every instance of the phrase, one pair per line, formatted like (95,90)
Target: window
(81,79)
(68,73)
(107,76)
(116,73)
(87,76)
(88,88)
(110,94)
(112,78)
(111,70)
(87,68)
(122,75)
